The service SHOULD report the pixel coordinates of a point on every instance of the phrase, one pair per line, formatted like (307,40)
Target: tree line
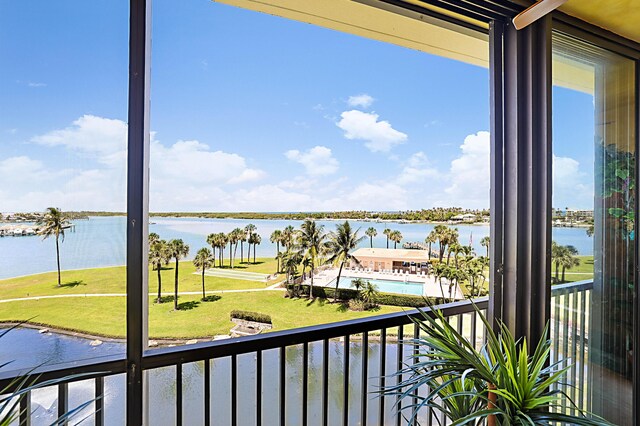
(161,252)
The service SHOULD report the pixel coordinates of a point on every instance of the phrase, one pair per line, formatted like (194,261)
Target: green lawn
(584,271)
(112,280)
(106,315)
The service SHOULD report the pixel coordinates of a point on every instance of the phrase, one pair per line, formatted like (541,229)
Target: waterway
(54,348)
(101,241)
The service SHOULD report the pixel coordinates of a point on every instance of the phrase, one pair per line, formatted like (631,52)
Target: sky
(250,112)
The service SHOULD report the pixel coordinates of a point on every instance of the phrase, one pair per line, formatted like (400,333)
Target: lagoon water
(101,241)
(162,388)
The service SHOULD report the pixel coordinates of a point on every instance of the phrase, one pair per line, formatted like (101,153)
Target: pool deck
(430,287)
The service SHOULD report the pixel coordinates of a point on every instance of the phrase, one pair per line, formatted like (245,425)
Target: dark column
(521,176)
(137,205)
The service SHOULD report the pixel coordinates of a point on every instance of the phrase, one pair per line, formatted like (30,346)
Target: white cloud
(185,175)
(362,101)
(191,162)
(570,185)
(417,170)
(318,161)
(89,134)
(35,84)
(378,135)
(469,174)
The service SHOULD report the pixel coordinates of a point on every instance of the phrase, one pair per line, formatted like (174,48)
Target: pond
(28,347)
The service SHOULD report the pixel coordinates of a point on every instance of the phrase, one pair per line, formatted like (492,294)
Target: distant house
(467,217)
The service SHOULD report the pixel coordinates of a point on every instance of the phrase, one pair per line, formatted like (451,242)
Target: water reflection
(162,386)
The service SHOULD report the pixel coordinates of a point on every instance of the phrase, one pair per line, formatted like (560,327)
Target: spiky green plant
(460,379)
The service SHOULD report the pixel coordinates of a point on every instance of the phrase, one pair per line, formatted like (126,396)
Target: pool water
(386,286)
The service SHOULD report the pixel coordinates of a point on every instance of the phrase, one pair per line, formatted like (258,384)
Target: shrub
(251,316)
(390,299)
(357,305)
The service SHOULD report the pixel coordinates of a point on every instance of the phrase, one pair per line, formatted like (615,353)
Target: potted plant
(500,384)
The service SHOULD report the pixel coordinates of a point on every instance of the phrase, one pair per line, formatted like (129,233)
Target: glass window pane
(260,123)
(63,112)
(594,196)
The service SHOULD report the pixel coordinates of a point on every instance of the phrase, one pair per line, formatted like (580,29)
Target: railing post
(137,206)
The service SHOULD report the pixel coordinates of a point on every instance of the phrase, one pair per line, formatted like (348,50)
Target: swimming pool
(386,286)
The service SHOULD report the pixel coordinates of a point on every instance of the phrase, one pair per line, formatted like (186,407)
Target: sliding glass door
(594,197)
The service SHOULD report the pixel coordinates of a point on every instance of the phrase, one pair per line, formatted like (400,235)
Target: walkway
(236,275)
(273,287)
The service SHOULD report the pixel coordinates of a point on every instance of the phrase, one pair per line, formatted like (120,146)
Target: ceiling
(618,16)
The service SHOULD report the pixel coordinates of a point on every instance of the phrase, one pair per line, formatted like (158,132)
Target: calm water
(100,241)
(162,389)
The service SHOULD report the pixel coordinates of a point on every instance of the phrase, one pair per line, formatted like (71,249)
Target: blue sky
(249,112)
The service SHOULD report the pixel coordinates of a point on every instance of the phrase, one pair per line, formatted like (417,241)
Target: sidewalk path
(273,287)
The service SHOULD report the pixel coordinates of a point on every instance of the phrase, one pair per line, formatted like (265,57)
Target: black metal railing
(324,374)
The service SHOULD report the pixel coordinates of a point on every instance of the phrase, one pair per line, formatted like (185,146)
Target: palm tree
(276,237)
(291,260)
(568,259)
(371,232)
(312,239)
(396,237)
(242,237)
(231,238)
(454,249)
(53,223)
(358,284)
(249,229)
(221,239)
(386,232)
(440,235)
(431,238)
(212,240)
(203,261)
(486,242)
(177,249)
(254,240)
(440,270)
(158,257)
(369,292)
(306,264)
(446,236)
(153,237)
(341,242)
(238,236)
(288,236)
(556,254)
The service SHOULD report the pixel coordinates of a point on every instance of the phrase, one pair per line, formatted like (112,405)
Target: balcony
(329,374)
(312,375)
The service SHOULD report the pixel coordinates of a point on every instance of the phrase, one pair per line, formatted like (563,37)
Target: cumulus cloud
(417,169)
(361,101)
(317,161)
(378,135)
(191,162)
(89,134)
(92,174)
(571,186)
(469,174)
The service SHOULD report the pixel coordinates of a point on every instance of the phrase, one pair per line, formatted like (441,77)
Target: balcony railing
(325,374)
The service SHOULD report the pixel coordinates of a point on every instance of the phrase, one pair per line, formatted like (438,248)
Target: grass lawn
(106,315)
(112,280)
(584,271)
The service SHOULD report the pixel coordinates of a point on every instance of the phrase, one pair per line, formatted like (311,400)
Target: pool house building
(385,260)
